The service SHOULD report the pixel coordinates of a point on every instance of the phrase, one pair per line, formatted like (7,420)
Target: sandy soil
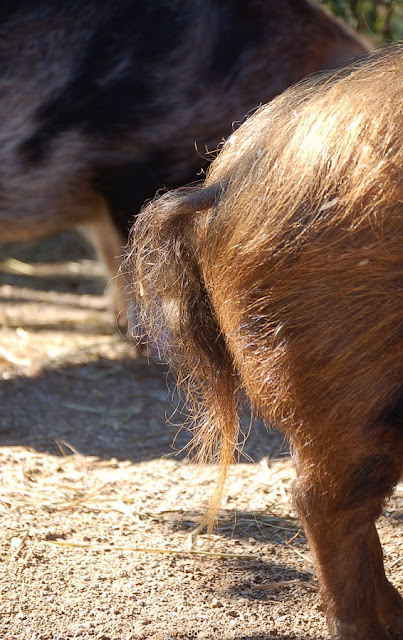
(97,499)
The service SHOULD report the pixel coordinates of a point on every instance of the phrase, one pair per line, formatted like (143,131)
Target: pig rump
(282,276)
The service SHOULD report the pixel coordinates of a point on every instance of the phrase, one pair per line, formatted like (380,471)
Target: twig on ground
(153,550)
(284,583)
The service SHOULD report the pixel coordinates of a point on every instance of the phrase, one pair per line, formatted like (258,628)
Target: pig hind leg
(388,600)
(389,603)
(338,507)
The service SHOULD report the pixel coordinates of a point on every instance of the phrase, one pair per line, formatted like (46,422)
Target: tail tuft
(176,311)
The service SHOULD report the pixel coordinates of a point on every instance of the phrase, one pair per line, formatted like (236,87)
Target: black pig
(103,103)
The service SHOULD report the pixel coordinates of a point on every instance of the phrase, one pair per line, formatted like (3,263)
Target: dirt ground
(97,499)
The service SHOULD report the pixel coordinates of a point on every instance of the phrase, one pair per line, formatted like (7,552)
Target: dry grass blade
(45,269)
(152,550)
(398,560)
(20,362)
(264,523)
(32,503)
(17,266)
(101,411)
(68,504)
(87,375)
(301,555)
(284,583)
(294,537)
(63,443)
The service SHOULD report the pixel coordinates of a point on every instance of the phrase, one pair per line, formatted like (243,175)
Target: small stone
(216,604)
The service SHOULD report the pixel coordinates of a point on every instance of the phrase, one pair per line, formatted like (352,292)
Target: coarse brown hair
(282,276)
(318,169)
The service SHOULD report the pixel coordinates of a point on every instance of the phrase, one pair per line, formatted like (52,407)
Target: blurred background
(380,19)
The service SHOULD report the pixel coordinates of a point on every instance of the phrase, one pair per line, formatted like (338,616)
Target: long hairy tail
(177,314)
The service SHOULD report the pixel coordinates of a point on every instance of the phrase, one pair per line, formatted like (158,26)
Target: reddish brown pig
(104,102)
(282,276)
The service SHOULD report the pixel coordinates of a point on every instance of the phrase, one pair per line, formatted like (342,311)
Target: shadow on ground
(82,387)
(107,408)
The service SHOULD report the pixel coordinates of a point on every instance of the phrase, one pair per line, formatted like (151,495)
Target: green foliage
(382,19)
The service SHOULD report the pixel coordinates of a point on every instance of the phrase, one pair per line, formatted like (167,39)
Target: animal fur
(282,276)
